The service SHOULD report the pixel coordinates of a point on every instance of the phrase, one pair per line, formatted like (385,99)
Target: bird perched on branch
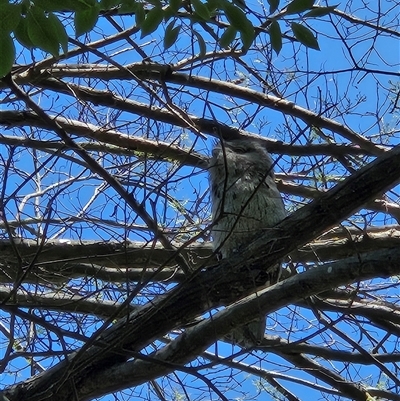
(245,201)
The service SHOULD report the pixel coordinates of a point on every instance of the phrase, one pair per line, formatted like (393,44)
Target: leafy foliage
(37,24)
(275,36)
(299,6)
(304,36)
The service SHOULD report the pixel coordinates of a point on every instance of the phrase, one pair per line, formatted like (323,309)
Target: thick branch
(195,340)
(124,144)
(61,261)
(62,301)
(160,72)
(230,280)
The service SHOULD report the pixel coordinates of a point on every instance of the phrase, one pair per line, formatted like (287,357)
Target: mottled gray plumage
(245,200)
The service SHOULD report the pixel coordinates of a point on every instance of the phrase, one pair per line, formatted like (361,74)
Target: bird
(245,200)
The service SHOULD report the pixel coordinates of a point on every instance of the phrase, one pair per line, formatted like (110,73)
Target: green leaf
(59,31)
(155,3)
(21,34)
(240,3)
(201,9)
(238,20)
(212,6)
(304,36)
(109,4)
(247,34)
(175,5)
(202,44)
(58,5)
(140,14)
(320,11)
(86,19)
(171,34)
(127,7)
(84,4)
(25,5)
(7,51)
(235,15)
(275,36)
(228,36)
(10,14)
(168,13)
(40,31)
(273,5)
(298,6)
(153,20)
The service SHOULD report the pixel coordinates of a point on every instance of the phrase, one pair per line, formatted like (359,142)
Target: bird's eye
(240,150)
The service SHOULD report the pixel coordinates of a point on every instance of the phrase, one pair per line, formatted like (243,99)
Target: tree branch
(229,280)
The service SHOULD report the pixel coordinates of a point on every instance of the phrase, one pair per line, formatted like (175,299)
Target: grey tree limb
(228,281)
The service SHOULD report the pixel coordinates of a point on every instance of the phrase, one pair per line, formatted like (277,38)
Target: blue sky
(342,83)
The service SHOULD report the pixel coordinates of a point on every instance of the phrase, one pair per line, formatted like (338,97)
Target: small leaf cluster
(303,34)
(35,25)
(235,12)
